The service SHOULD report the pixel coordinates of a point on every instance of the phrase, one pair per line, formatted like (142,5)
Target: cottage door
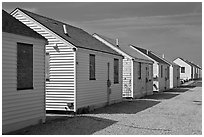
(108,84)
(146,79)
(166,78)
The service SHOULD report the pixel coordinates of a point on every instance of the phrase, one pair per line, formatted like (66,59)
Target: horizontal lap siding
(60,90)
(127,77)
(21,105)
(93,92)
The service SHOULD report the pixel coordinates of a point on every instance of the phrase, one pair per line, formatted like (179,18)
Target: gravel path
(177,111)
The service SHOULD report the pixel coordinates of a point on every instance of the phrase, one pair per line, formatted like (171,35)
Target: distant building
(160,70)
(186,69)
(174,72)
(23,75)
(195,70)
(137,69)
(81,71)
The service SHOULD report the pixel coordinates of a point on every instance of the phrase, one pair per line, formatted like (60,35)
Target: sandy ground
(177,111)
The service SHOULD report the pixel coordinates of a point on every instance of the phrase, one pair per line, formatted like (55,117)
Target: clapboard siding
(20,105)
(93,92)
(60,89)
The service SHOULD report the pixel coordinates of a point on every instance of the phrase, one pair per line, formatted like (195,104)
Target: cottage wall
(141,86)
(60,88)
(93,93)
(21,108)
(163,83)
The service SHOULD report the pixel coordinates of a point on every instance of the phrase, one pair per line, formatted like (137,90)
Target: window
(92,67)
(116,71)
(24,66)
(161,71)
(182,69)
(140,71)
(47,66)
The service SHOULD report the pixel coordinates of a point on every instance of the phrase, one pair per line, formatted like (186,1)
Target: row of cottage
(50,65)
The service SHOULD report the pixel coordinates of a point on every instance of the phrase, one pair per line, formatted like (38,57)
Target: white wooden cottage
(174,72)
(186,70)
(23,75)
(161,75)
(81,71)
(137,69)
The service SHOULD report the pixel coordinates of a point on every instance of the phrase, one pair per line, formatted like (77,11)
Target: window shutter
(116,71)
(47,66)
(92,67)
(24,66)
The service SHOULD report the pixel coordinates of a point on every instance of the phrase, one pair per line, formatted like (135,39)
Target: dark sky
(173,29)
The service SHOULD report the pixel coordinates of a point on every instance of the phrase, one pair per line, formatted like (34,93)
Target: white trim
(75,77)
(181,60)
(111,46)
(18,11)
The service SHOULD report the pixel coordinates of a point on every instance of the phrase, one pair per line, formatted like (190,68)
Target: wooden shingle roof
(76,36)
(12,25)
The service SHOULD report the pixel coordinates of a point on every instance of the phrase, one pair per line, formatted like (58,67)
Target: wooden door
(108,83)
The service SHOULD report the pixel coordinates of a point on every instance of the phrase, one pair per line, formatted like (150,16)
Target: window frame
(47,66)
(140,70)
(19,76)
(183,68)
(92,71)
(116,71)
(161,71)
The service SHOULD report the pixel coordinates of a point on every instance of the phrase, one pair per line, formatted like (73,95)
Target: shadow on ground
(66,125)
(198,84)
(127,107)
(161,96)
(188,86)
(177,90)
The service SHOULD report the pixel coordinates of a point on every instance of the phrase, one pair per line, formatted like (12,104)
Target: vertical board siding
(21,105)
(94,92)
(60,89)
(127,77)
